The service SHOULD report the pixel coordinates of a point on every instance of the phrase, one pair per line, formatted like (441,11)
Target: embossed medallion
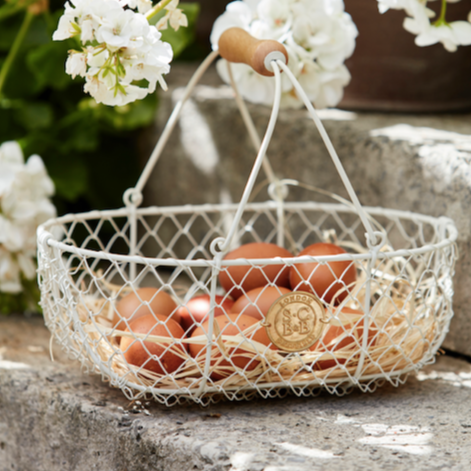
(295,321)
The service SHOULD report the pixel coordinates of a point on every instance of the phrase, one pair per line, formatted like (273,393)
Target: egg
(323,280)
(258,301)
(136,350)
(239,279)
(337,337)
(133,305)
(231,324)
(197,309)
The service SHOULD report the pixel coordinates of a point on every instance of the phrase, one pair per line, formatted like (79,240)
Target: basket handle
(374,240)
(238,46)
(270,58)
(273,59)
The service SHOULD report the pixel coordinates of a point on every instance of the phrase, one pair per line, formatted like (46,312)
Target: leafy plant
(89,149)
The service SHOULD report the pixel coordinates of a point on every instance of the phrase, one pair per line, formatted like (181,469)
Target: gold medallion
(295,321)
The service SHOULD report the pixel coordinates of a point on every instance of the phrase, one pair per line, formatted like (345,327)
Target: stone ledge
(53,417)
(418,163)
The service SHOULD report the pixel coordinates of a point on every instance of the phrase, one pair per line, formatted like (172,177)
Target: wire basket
(389,321)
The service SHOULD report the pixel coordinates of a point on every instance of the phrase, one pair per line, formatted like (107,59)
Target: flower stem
(15,48)
(157,8)
(441,20)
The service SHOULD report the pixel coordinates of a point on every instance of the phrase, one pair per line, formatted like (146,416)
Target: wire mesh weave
(81,284)
(390,321)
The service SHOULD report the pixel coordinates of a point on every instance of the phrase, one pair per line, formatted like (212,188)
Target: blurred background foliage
(89,149)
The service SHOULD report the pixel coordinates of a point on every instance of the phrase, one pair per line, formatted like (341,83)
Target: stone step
(419,163)
(55,418)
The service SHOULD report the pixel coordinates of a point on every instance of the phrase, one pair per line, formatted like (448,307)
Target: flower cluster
(428,30)
(25,189)
(318,36)
(122,57)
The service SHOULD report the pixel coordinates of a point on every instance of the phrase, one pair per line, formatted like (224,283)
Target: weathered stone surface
(53,417)
(408,162)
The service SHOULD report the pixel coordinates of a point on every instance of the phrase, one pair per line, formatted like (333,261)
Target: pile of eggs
(250,292)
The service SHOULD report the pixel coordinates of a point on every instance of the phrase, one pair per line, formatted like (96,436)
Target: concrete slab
(54,417)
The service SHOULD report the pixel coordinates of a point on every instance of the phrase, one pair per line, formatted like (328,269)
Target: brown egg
(258,301)
(232,279)
(136,350)
(324,280)
(232,324)
(133,305)
(337,337)
(199,309)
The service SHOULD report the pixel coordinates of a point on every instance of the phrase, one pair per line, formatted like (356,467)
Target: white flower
(108,96)
(174,16)
(237,15)
(252,86)
(332,84)
(97,57)
(67,26)
(120,47)
(11,160)
(451,35)
(7,176)
(178,18)
(143,6)
(120,28)
(27,266)
(25,189)
(385,5)
(10,152)
(153,63)
(13,237)
(275,13)
(76,64)
(318,36)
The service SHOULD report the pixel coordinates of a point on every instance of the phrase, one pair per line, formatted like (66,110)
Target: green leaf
(20,82)
(9,29)
(113,170)
(9,9)
(46,62)
(78,131)
(9,130)
(182,38)
(38,33)
(34,115)
(69,173)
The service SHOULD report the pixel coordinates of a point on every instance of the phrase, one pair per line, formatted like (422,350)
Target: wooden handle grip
(236,45)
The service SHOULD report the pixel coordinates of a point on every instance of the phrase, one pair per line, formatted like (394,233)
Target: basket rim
(445,226)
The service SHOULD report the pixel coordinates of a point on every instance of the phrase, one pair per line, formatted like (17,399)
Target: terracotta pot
(389,72)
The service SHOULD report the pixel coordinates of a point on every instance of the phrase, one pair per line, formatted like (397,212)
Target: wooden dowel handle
(236,45)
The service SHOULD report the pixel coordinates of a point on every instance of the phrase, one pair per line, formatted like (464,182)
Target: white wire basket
(390,321)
